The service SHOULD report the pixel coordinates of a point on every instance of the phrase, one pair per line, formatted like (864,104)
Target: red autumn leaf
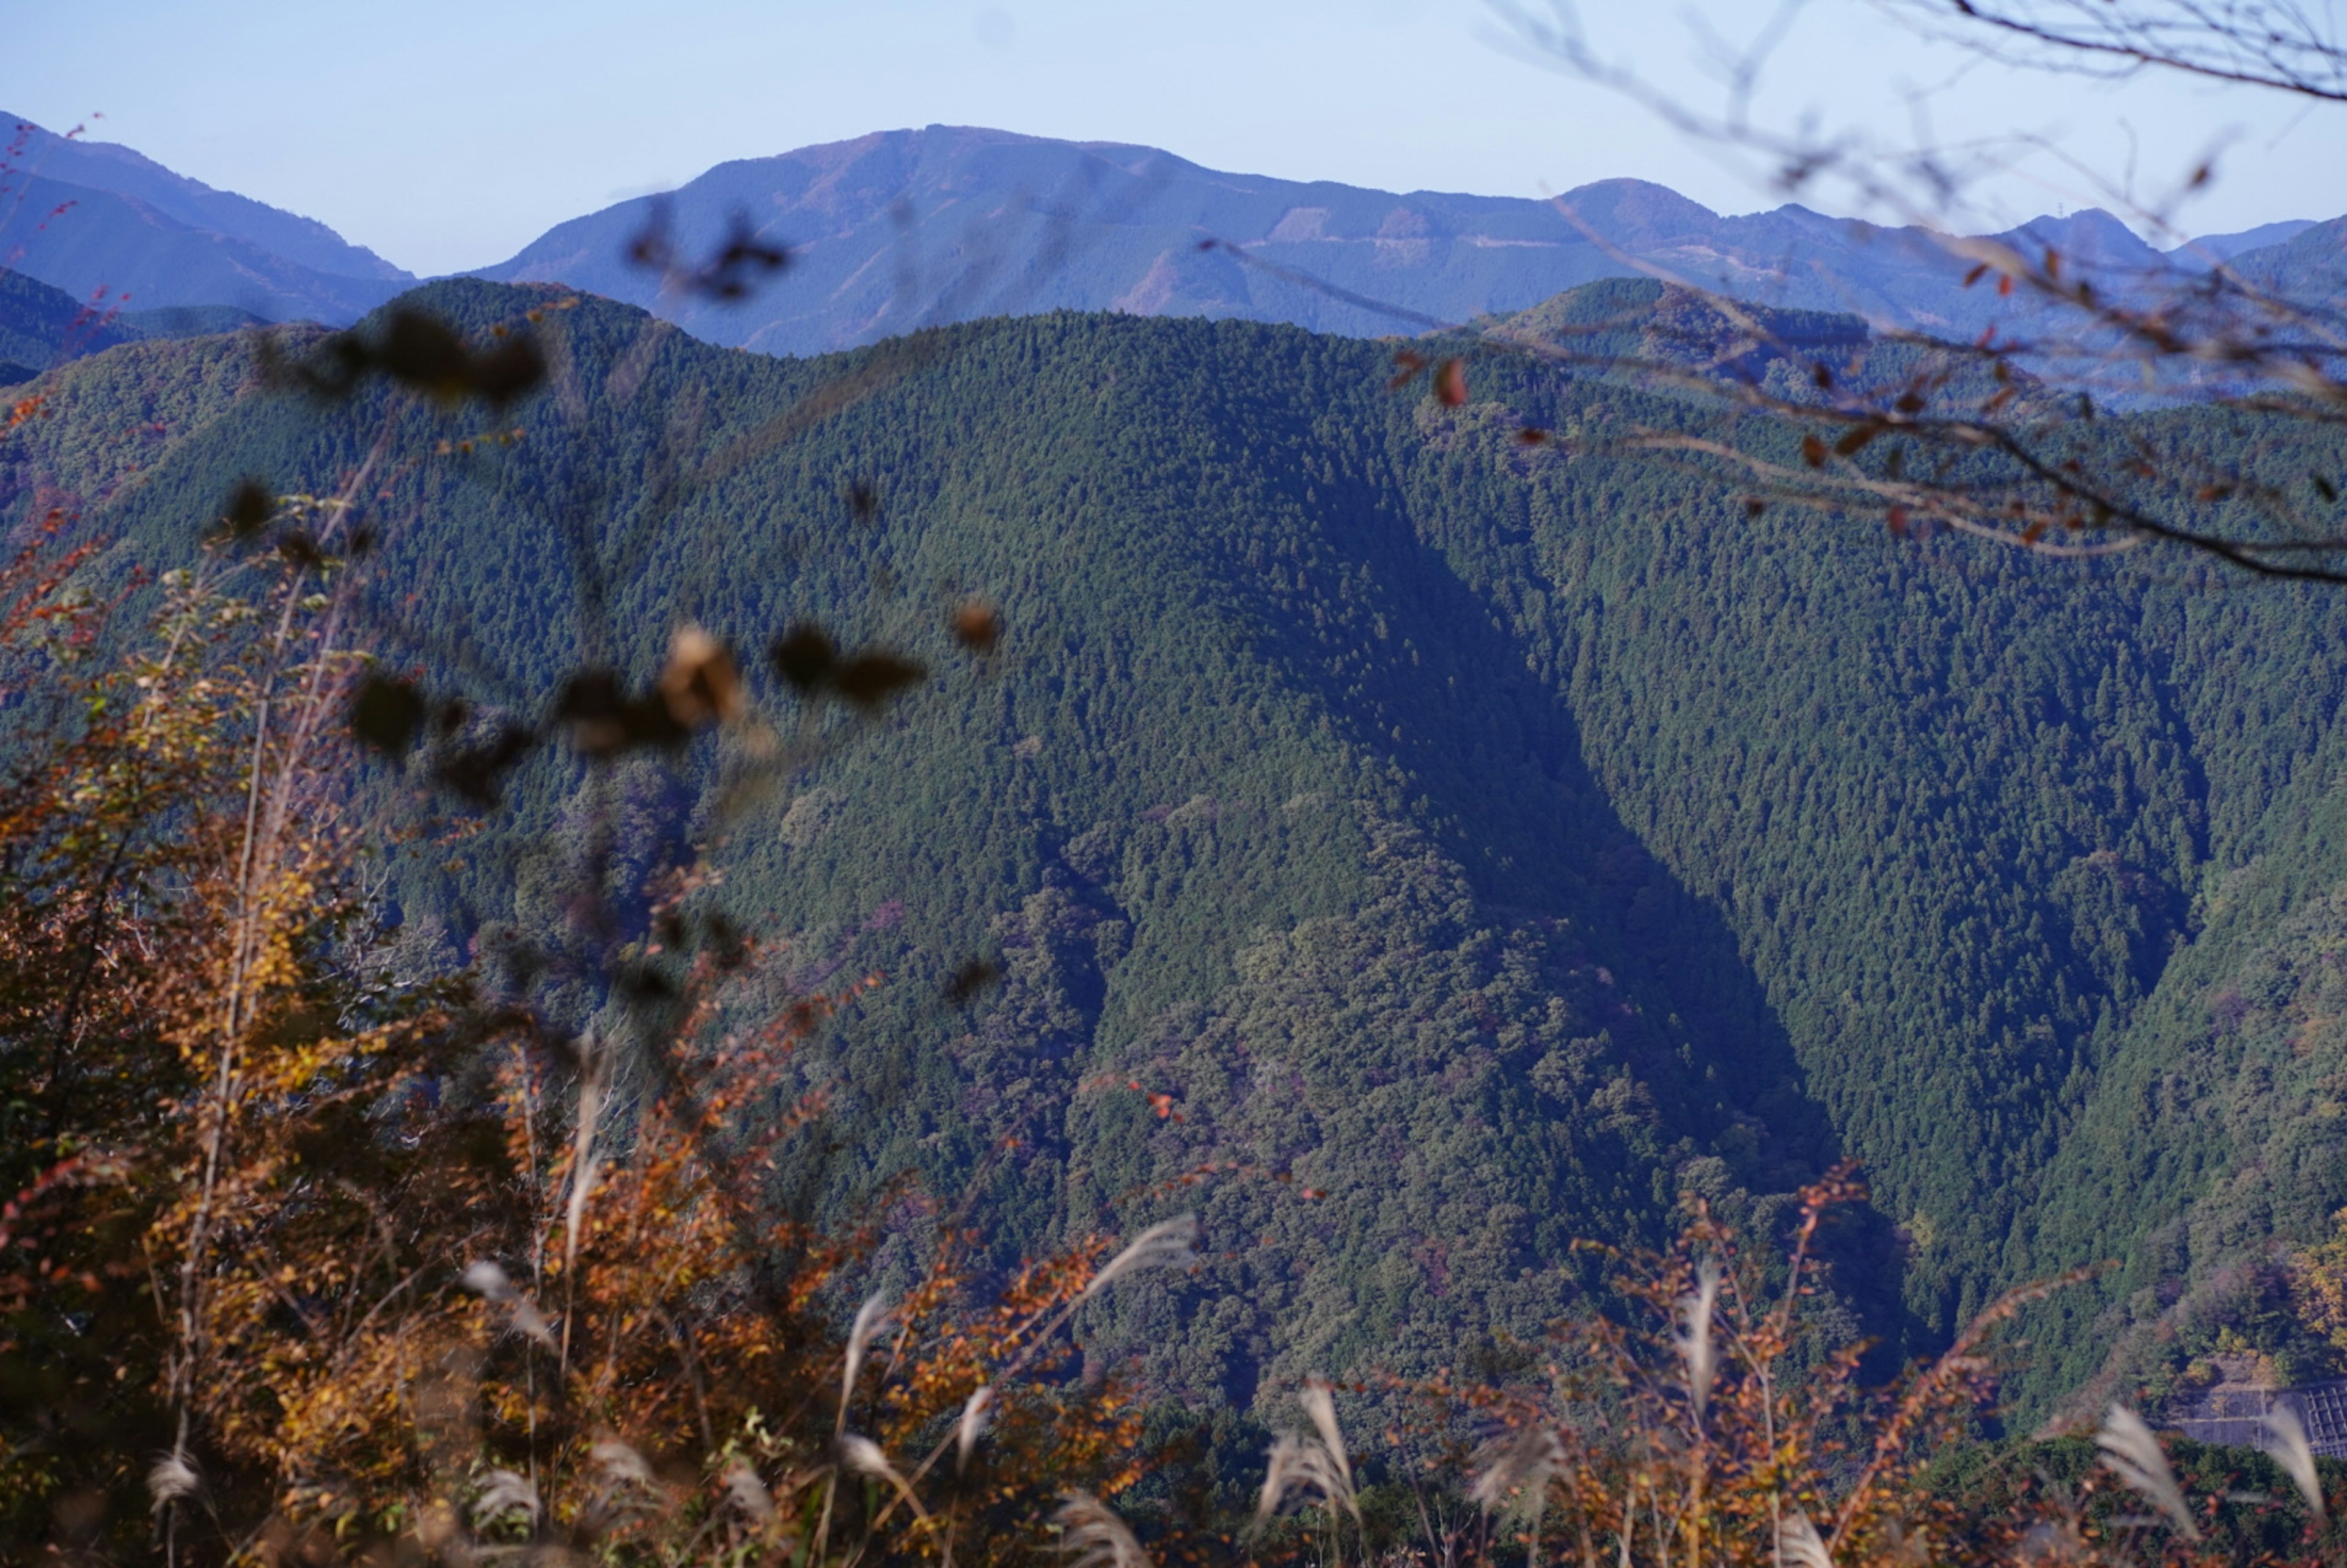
(977,626)
(1813,452)
(1450,383)
(1406,365)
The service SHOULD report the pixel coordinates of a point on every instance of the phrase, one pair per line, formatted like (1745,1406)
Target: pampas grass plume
(1165,1245)
(171,1479)
(1695,1338)
(870,1318)
(1798,1545)
(1095,1537)
(972,1425)
(2135,1456)
(2290,1450)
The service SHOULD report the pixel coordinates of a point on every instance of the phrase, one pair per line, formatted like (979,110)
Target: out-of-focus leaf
(1851,443)
(869,680)
(725,277)
(419,351)
(605,721)
(423,352)
(473,770)
(970,981)
(508,372)
(977,626)
(805,657)
(249,507)
(1450,383)
(385,713)
(700,683)
(1813,452)
(299,547)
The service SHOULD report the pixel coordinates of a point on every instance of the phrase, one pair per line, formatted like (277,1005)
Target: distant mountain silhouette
(95,218)
(903,229)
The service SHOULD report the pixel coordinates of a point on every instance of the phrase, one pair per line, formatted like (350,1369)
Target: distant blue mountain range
(903,229)
(93,218)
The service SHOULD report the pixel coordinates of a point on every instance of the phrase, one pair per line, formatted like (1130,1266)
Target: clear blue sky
(447,135)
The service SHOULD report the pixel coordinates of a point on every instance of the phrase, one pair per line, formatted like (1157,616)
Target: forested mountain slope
(1472,846)
(41,326)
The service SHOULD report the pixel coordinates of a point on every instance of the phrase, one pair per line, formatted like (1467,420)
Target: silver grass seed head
(1319,1403)
(1165,1245)
(1093,1536)
(170,1479)
(870,1320)
(748,1494)
(1296,1463)
(1693,1334)
(865,1457)
(492,1285)
(2288,1447)
(1516,1470)
(2132,1454)
(505,1491)
(619,1464)
(487,1280)
(972,1425)
(1798,1544)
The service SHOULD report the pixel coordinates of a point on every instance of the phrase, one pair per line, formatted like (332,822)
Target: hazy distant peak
(2212,248)
(131,175)
(1638,213)
(2090,237)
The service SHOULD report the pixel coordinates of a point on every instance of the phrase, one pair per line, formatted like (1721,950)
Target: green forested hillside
(1460,847)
